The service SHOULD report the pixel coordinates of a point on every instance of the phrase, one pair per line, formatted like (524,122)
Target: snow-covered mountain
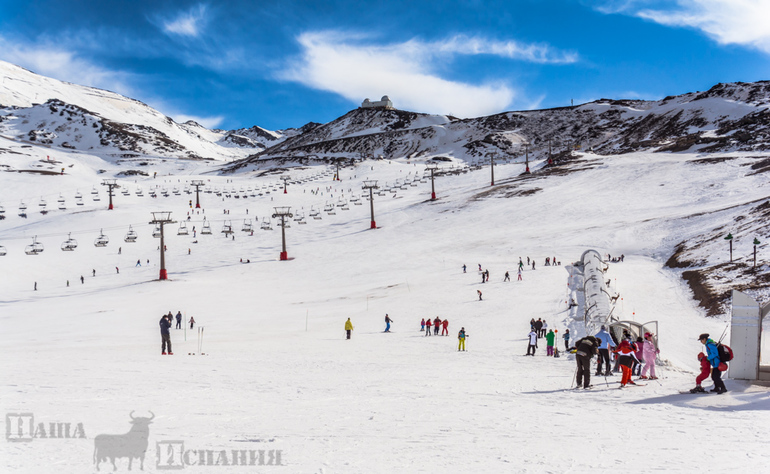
(55,113)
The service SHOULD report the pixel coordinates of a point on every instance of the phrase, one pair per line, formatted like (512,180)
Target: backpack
(725,353)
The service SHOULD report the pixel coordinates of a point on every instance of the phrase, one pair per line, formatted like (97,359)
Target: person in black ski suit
(165,325)
(179,320)
(586,349)
(538,327)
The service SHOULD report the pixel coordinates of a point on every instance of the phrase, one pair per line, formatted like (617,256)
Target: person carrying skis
(649,354)
(348,327)
(428,324)
(436,325)
(461,337)
(705,371)
(445,327)
(165,337)
(179,320)
(532,346)
(586,348)
(422,325)
(604,351)
(626,359)
(387,322)
(712,353)
(549,342)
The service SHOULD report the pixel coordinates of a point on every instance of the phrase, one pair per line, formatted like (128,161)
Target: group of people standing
(165,325)
(426,324)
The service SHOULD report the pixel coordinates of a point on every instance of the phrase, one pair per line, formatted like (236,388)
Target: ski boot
(163,353)
(644,377)
(698,389)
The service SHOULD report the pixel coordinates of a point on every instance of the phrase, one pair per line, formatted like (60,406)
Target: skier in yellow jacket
(348,327)
(461,336)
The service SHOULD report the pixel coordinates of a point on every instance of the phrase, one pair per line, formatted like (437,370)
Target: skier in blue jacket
(605,343)
(712,354)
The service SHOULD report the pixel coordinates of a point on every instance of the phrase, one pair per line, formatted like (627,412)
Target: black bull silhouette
(129,445)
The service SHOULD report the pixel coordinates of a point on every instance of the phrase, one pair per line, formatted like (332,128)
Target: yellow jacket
(348,325)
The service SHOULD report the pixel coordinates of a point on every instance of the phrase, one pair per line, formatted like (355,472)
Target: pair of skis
(200,342)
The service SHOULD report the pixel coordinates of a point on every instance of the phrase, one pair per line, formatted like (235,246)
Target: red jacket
(445,323)
(428,323)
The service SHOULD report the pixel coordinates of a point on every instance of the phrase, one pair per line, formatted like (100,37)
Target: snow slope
(279,375)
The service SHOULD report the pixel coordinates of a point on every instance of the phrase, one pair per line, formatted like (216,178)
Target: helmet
(701,356)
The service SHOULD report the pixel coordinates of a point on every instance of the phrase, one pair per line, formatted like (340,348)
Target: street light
(756,242)
(729,238)
(371,185)
(110,183)
(161,218)
(492,167)
(432,167)
(197,183)
(283,212)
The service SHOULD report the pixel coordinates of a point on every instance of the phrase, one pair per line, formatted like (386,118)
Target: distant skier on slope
(436,325)
(165,325)
(422,325)
(604,351)
(387,322)
(445,327)
(428,324)
(550,339)
(348,327)
(461,337)
(507,276)
(532,346)
(179,320)
(192,322)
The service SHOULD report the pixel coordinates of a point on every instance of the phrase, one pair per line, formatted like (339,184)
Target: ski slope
(278,373)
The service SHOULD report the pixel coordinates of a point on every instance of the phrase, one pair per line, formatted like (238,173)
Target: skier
(138,263)
(461,337)
(604,351)
(179,320)
(649,355)
(35,286)
(639,353)
(586,347)
(422,325)
(626,359)
(532,347)
(507,276)
(94,272)
(348,327)
(487,272)
(543,329)
(464,268)
(538,326)
(566,340)
(712,353)
(549,342)
(427,327)
(479,267)
(533,264)
(387,322)
(165,324)
(705,370)
(445,327)
(519,277)
(436,325)
(82,280)
(192,322)
(521,264)
(117,270)
(479,292)
(483,277)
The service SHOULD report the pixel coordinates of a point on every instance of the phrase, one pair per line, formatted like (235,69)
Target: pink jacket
(649,351)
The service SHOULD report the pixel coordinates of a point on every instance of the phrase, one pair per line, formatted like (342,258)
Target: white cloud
(53,61)
(189,23)
(208,122)
(741,22)
(336,62)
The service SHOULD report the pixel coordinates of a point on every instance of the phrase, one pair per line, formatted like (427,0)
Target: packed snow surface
(278,373)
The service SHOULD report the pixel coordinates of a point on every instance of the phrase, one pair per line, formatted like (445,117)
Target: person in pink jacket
(649,353)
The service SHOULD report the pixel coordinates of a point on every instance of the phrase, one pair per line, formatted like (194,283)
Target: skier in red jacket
(428,324)
(445,327)
(705,371)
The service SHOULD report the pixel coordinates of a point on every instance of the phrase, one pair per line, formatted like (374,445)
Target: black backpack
(725,353)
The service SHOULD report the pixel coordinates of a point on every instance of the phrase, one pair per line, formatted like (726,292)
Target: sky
(281,64)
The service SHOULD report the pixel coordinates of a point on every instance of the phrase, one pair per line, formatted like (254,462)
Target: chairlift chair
(206,229)
(22,209)
(139,192)
(329,209)
(2,213)
(176,191)
(95,195)
(315,213)
(247,225)
(35,248)
(3,251)
(130,235)
(70,244)
(156,231)
(78,195)
(102,240)
(266,225)
(227,228)
(62,204)
(182,229)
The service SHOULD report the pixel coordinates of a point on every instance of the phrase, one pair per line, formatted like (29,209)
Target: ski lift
(247,225)
(78,195)
(22,209)
(62,205)
(95,194)
(2,213)
(70,244)
(153,193)
(176,191)
(266,224)
(227,228)
(139,192)
(299,217)
(164,192)
(343,204)
(182,228)
(79,201)
(43,205)
(126,192)
(206,230)
(329,209)
(35,248)
(3,251)
(156,231)
(131,235)
(102,240)
(315,213)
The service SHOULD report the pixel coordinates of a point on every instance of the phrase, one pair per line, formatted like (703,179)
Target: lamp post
(111,184)
(283,212)
(432,167)
(371,185)
(161,218)
(526,157)
(729,238)
(756,242)
(492,167)
(285,182)
(337,176)
(197,183)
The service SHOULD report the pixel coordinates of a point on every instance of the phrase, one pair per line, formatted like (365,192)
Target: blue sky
(232,64)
